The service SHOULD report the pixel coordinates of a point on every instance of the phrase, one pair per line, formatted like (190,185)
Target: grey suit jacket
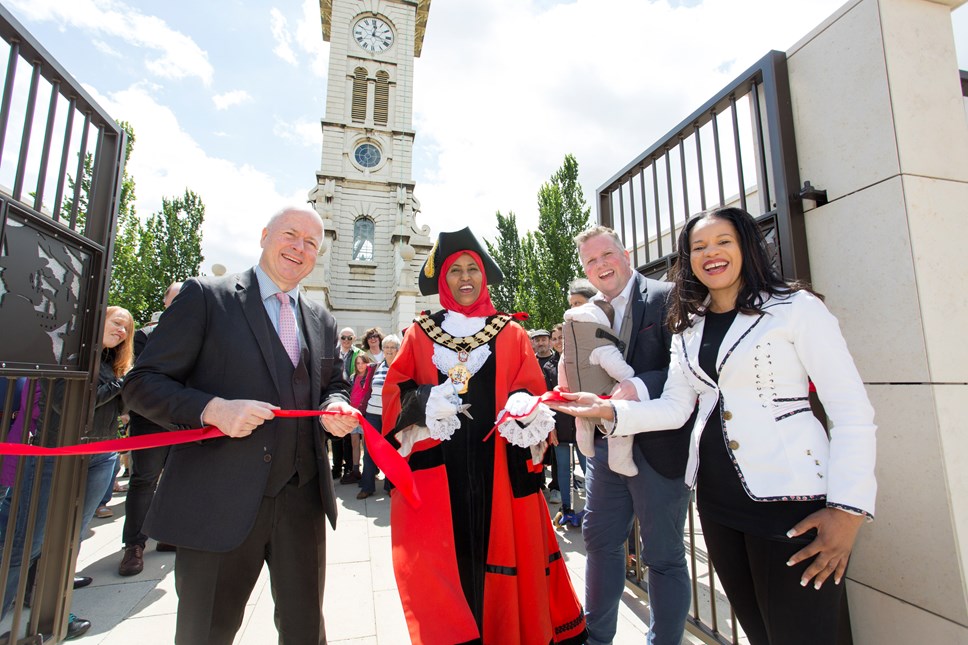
(216,340)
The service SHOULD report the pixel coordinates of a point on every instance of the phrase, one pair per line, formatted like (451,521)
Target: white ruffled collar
(458,325)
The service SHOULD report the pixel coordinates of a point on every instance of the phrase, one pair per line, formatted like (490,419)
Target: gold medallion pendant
(459,376)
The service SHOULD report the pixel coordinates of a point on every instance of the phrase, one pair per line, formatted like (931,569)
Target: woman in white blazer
(780,498)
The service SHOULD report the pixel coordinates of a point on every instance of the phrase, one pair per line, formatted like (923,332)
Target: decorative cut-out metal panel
(42,281)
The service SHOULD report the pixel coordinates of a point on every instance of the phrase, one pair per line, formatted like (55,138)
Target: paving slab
(361,604)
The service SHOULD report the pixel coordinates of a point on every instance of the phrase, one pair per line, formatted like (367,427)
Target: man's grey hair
(349,329)
(582,287)
(391,339)
(595,231)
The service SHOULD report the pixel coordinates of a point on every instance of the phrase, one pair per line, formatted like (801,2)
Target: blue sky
(226,97)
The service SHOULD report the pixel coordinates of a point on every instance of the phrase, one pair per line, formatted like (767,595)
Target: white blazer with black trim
(780,450)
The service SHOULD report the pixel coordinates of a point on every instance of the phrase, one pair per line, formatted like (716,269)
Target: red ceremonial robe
(528,598)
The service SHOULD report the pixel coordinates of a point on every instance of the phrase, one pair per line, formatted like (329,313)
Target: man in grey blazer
(228,352)
(657,495)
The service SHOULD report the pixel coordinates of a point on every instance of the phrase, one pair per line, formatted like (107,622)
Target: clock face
(367,155)
(373,35)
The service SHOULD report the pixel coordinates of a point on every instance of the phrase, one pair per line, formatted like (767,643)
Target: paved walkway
(362,606)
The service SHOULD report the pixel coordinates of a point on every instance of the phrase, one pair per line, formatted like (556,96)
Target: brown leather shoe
(133,560)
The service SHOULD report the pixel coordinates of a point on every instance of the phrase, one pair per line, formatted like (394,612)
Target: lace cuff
(530,434)
(443,429)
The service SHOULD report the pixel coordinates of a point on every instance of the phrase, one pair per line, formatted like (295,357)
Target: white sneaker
(554,497)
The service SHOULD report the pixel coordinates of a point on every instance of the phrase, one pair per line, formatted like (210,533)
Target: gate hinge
(815,194)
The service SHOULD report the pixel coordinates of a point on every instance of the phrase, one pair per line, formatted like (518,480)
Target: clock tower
(366,273)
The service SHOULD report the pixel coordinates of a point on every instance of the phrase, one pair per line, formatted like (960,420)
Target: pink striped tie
(287,328)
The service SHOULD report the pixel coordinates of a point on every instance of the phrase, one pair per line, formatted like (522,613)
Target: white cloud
(303,133)
(504,89)
(177,55)
(280,33)
(105,48)
(309,36)
(228,99)
(238,197)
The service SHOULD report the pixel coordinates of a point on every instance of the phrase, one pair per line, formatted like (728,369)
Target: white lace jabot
(459,325)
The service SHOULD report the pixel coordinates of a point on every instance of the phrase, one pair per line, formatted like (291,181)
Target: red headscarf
(482,306)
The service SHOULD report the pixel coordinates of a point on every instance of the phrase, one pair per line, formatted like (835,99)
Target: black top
(720,494)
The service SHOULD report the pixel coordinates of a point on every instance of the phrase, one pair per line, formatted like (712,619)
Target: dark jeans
(22,553)
(109,489)
(100,476)
(553,459)
(368,483)
(766,594)
(146,467)
(22,556)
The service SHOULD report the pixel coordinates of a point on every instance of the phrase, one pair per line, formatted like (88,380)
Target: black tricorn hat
(447,244)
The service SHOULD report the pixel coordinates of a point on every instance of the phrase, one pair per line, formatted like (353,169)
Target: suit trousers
(613,501)
(290,536)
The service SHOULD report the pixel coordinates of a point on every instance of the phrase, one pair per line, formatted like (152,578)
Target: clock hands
(373,35)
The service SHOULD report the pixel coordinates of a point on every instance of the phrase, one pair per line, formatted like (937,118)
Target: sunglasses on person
(346,337)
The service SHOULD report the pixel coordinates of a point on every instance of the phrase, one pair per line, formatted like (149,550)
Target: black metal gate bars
(736,150)
(61,159)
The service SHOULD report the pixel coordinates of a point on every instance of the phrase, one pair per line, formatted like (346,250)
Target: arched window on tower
(363,236)
(381,103)
(359,95)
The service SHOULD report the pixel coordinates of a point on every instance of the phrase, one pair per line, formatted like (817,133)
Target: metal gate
(736,150)
(61,159)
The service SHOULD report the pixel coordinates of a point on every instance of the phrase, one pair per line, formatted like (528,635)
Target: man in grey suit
(657,495)
(228,353)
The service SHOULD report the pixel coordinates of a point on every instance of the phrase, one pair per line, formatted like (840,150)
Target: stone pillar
(880,125)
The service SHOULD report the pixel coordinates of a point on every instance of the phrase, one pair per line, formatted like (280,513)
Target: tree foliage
(545,260)
(149,255)
(506,251)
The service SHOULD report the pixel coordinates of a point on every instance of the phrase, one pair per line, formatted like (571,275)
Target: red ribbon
(384,456)
(553,396)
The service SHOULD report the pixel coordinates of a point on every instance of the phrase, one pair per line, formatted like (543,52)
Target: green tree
(527,297)
(545,260)
(126,288)
(506,252)
(562,214)
(149,255)
(168,249)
